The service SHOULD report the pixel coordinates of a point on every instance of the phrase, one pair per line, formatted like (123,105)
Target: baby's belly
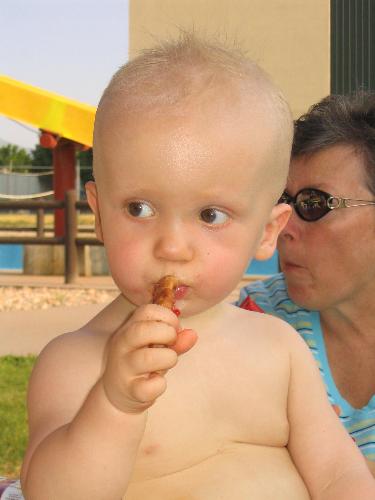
(241,472)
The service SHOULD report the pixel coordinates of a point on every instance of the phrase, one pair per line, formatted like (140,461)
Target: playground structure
(66,126)
(71,240)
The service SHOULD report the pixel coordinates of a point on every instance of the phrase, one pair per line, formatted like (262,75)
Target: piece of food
(163,295)
(164,292)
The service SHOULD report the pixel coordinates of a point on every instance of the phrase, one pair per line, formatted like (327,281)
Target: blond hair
(169,76)
(173,71)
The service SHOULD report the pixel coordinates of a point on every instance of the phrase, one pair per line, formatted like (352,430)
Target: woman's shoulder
(267,294)
(271,296)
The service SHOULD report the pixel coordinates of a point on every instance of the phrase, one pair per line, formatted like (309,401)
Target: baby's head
(191,152)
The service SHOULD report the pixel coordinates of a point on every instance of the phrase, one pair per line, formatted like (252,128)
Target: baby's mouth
(181,291)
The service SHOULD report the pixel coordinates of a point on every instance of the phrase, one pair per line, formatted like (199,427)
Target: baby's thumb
(185,341)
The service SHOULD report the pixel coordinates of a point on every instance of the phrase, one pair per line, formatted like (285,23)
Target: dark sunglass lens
(284,198)
(311,205)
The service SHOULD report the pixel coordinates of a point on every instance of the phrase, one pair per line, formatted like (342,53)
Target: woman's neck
(349,334)
(350,320)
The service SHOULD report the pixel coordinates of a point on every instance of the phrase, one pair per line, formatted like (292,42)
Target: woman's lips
(181,292)
(290,266)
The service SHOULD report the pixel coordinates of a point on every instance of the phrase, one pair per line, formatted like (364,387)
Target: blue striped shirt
(271,296)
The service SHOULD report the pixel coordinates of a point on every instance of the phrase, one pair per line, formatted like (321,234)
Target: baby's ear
(278,219)
(92,198)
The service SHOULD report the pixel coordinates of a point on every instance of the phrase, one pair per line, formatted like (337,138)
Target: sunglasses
(312,204)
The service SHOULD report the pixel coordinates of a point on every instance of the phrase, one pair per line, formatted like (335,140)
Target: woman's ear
(92,198)
(278,219)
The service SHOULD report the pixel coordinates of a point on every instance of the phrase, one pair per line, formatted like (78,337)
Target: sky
(71,47)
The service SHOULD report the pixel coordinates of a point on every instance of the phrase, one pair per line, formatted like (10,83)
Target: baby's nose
(173,243)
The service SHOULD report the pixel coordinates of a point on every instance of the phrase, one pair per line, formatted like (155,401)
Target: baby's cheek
(125,267)
(222,275)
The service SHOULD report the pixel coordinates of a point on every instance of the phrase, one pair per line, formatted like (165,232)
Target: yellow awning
(47,110)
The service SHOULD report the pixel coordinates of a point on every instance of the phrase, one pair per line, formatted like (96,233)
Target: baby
(191,153)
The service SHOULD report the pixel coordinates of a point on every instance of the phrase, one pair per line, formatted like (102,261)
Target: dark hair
(340,119)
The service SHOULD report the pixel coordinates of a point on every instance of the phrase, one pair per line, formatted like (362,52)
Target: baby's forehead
(230,115)
(232,139)
(239,107)
(181,76)
(208,124)
(211,138)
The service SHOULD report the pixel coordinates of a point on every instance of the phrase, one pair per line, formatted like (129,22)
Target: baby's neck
(206,318)
(120,309)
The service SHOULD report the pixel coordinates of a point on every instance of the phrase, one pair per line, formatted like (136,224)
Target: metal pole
(71,253)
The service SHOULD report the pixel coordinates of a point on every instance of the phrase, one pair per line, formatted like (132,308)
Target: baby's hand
(134,375)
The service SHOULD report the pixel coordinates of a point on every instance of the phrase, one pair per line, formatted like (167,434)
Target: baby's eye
(140,209)
(213,216)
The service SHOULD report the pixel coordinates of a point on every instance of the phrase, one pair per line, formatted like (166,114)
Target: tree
(85,161)
(41,157)
(12,156)
(85,158)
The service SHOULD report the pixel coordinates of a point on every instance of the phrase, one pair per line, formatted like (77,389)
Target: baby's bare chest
(236,473)
(209,451)
(209,408)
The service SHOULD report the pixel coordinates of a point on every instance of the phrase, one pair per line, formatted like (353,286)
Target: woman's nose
(174,243)
(292,228)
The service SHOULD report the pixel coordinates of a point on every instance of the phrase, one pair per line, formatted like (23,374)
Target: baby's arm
(325,455)
(85,429)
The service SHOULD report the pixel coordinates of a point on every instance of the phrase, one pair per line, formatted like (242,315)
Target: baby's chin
(135,299)
(187,307)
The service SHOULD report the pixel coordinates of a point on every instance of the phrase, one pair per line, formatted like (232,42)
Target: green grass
(29,220)
(14,375)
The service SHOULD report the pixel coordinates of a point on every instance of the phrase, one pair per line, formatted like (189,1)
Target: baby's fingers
(186,339)
(154,312)
(145,390)
(143,333)
(151,359)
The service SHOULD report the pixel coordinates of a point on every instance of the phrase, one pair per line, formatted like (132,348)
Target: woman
(327,256)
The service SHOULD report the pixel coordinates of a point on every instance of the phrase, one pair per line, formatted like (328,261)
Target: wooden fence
(70,239)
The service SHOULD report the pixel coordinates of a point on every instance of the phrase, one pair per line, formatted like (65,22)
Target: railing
(70,240)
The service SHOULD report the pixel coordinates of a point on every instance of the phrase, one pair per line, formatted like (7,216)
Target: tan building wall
(290,39)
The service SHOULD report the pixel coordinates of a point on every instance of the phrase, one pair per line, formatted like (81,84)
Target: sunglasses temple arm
(346,202)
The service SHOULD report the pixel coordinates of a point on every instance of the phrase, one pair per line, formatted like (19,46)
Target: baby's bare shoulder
(71,363)
(63,375)
(81,347)
(65,371)
(256,336)
(80,354)
(259,325)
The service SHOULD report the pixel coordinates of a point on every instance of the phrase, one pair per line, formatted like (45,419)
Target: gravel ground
(30,298)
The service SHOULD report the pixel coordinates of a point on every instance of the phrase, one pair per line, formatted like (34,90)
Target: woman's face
(330,262)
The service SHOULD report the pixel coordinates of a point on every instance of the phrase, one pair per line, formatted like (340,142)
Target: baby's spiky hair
(174,74)
(174,71)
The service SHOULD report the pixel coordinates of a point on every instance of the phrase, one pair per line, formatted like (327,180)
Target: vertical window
(352,45)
